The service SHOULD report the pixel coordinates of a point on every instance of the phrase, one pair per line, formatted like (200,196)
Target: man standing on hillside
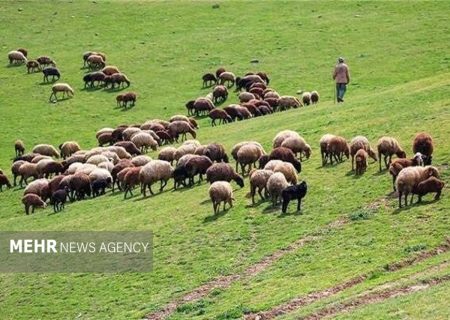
(342,77)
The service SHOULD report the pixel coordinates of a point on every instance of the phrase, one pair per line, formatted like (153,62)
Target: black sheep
(51,71)
(99,186)
(294,192)
(59,199)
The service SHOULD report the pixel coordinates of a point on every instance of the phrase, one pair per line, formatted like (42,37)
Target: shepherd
(341,75)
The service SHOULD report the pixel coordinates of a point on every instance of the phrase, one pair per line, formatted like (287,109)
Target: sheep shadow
(256,204)
(59,100)
(271,209)
(290,213)
(15,65)
(125,109)
(115,89)
(215,216)
(45,83)
(91,89)
(350,173)
(379,173)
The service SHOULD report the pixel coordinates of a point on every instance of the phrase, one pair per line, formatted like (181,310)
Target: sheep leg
(386,162)
(412,197)
(285,205)
(260,193)
(379,160)
(399,199)
(163,184)
(353,162)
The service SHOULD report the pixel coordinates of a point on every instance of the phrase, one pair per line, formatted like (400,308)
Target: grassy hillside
(398,55)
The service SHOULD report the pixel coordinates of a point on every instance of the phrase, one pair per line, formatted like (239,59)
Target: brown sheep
(130,147)
(46,61)
(80,184)
(314,97)
(33,66)
(24,51)
(197,166)
(361,161)
(410,177)
(116,78)
(216,152)
(32,201)
(336,148)
(110,70)
(202,106)
(4,181)
(227,78)
(223,172)
(19,147)
(219,71)
(180,127)
(51,168)
(131,180)
(398,164)
(430,185)
(285,154)
(360,142)
(209,79)
(423,143)
(15,170)
(220,94)
(387,147)
(219,114)
(95,61)
(122,164)
(105,138)
(124,98)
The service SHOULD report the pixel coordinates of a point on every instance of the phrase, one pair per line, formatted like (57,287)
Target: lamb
(248,155)
(336,148)
(208,80)
(130,147)
(360,142)
(60,87)
(110,70)
(275,186)
(246,97)
(287,102)
(39,187)
(15,170)
(227,78)
(124,98)
(59,199)
(80,184)
(314,97)
(124,163)
(51,71)
(180,127)
(287,169)
(221,191)
(361,161)
(16,57)
(215,152)
(33,66)
(130,180)
(283,135)
(202,105)
(64,184)
(68,148)
(306,98)
(398,164)
(26,171)
(4,182)
(294,192)
(117,78)
(219,114)
(46,61)
(46,150)
(423,143)
(32,201)
(410,177)
(167,154)
(388,146)
(95,61)
(258,181)
(19,148)
(298,146)
(99,187)
(91,78)
(285,154)
(140,161)
(430,185)
(143,141)
(223,172)
(156,170)
(197,166)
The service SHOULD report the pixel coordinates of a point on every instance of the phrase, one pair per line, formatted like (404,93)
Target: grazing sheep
(197,166)
(129,146)
(287,169)
(244,112)
(238,146)
(90,79)
(39,187)
(39,158)
(26,171)
(314,97)
(32,201)
(219,71)
(54,184)
(33,66)
(216,152)
(61,87)
(285,154)
(298,146)
(398,164)
(227,78)
(99,174)
(223,172)
(130,180)
(117,78)
(287,102)
(96,159)
(105,138)
(275,186)
(324,141)
(283,135)
(73,168)
(202,106)
(219,114)
(107,165)
(4,181)
(143,141)
(156,170)
(19,148)
(119,151)
(221,191)
(140,161)
(306,98)
(46,168)
(15,170)
(180,127)
(46,61)
(122,164)
(220,94)
(246,97)
(110,70)
(59,200)
(124,98)
(273,103)
(388,146)
(99,187)
(294,192)
(95,61)
(130,132)
(209,79)
(271,94)
(336,148)
(80,184)
(360,142)
(410,177)
(430,185)
(16,57)
(167,154)
(86,168)
(246,81)
(248,155)
(51,71)
(254,111)
(68,148)
(200,151)
(270,165)
(46,150)
(24,51)
(361,161)
(258,181)
(231,111)
(423,143)
(103,130)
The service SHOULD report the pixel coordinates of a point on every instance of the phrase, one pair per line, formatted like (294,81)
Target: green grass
(399,58)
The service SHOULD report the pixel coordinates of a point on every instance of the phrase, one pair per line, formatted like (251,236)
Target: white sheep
(100,174)
(140,161)
(258,182)
(283,135)
(167,154)
(96,159)
(298,146)
(86,168)
(61,87)
(106,165)
(248,155)
(410,177)
(221,191)
(275,185)
(143,141)
(16,57)
(156,170)
(184,149)
(288,170)
(272,164)
(46,150)
(129,132)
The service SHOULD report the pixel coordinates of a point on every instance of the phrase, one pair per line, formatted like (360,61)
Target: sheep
(96,159)
(119,151)
(178,117)
(100,173)
(314,97)
(129,146)
(117,78)
(46,150)
(4,182)
(208,80)
(223,172)
(95,61)
(244,112)
(32,201)
(61,87)
(184,159)
(430,185)
(46,61)
(33,66)
(68,148)
(39,158)
(263,76)
(285,154)
(39,187)
(246,81)
(387,146)
(410,177)
(259,85)
(287,169)
(103,130)
(190,107)
(361,161)
(258,181)
(275,186)
(219,71)
(140,161)
(283,135)
(26,157)
(122,164)
(230,111)
(336,147)
(248,155)
(86,56)
(287,102)
(156,170)
(294,192)
(91,78)
(110,70)
(270,165)
(80,184)
(306,98)
(298,146)
(246,97)
(398,164)
(124,98)
(73,167)
(51,71)
(202,105)
(180,127)
(58,199)
(129,132)
(46,168)
(221,191)
(86,168)
(143,141)
(65,184)
(24,51)
(19,148)
(197,166)
(167,154)
(236,147)
(423,143)
(54,184)
(324,141)
(271,94)
(254,111)
(227,78)
(15,170)
(120,179)
(360,142)
(219,114)
(220,94)
(26,171)
(273,103)
(16,57)
(215,152)
(107,165)
(99,187)
(75,158)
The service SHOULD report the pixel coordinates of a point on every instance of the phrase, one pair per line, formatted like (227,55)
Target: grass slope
(398,54)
